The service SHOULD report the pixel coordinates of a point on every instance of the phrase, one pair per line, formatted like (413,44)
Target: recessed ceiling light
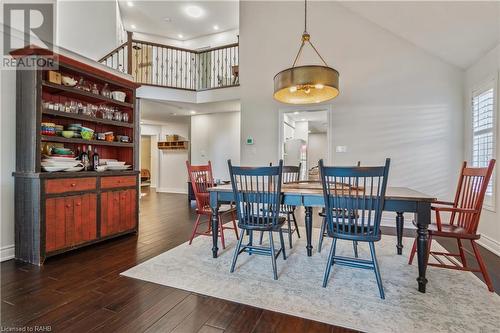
(130,4)
(194,11)
(180,36)
(192,112)
(133,26)
(296,112)
(167,19)
(216,27)
(302,119)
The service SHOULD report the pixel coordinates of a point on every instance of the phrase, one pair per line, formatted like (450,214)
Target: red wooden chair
(201,180)
(465,212)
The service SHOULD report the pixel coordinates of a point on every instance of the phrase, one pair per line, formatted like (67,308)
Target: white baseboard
(490,244)
(7,252)
(171,190)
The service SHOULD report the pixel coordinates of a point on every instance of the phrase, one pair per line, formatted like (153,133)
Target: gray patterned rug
(455,301)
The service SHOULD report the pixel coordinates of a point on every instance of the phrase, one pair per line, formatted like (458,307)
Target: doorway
(146,161)
(305,139)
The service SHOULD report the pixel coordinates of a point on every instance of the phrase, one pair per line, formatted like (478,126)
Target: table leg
(309,224)
(215,228)
(423,221)
(400,221)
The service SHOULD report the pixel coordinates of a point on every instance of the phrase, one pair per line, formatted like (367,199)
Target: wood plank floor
(82,291)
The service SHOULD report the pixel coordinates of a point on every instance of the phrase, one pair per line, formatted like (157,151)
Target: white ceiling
(150,17)
(317,120)
(457,32)
(161,111)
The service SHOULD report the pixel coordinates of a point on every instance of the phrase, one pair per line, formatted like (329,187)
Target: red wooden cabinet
(70,221)
(118,211)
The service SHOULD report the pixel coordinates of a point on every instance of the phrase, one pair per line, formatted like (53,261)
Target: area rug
(455,301)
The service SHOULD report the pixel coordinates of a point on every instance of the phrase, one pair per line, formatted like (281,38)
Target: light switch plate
(341,149)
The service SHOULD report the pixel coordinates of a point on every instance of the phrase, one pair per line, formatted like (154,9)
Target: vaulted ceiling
(459,32)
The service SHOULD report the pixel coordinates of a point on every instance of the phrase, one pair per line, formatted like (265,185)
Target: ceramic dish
(101,168)
(115,163)
(118,167)
(75,168)
(68,81)
(118,95)
(53,169)
(68,134)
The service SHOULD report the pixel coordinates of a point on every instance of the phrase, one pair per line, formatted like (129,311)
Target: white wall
(216,137)
(396,100)
(301,130)
(7,162)
(89,28)
(317,147)
(486,68)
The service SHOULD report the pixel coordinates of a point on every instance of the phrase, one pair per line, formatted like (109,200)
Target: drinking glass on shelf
(95,90)
(125,117)
(117,116)
(66,107)
(73,107)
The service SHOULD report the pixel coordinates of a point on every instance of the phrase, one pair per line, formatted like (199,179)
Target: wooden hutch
(59,211)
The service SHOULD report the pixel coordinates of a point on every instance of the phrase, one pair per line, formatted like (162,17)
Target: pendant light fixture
(306,84)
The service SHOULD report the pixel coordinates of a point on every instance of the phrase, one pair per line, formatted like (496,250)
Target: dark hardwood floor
(82,291)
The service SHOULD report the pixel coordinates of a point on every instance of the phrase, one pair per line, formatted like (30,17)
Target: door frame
(300,108)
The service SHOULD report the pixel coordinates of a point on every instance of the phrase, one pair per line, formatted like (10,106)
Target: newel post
(129,52)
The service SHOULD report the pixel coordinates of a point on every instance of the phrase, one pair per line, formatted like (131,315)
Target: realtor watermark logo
(28,35)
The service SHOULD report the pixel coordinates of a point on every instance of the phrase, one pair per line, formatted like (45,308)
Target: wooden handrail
(179,68)
(116,49)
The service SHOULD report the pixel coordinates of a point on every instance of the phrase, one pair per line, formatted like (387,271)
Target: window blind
(483,139)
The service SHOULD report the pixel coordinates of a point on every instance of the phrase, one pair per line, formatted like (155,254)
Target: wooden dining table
(309,194)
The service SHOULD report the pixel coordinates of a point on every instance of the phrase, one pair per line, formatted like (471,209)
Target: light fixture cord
(305,16)
(306,40)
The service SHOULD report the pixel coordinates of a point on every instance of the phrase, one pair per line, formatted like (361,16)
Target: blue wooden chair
(323,232)
(257,193)
(290,174)
(356,189)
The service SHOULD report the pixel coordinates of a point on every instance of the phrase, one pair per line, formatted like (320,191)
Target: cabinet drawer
(119,181)
(69,185)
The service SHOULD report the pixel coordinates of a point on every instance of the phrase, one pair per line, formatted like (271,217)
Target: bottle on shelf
(85,160)
(78,154)
(95,159)
(89,153)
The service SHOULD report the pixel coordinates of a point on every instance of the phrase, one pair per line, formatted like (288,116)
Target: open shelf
(62,90)
(60,139)
(173,145)
(87,118)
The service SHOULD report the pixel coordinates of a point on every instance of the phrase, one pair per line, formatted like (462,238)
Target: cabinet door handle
(73,184)
(78,204)
(68,206)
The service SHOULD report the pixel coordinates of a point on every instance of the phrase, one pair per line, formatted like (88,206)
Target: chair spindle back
(257,193)
(201,180)
(359,190)
(471,189)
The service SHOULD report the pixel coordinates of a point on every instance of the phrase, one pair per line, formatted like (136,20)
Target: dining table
(309,194)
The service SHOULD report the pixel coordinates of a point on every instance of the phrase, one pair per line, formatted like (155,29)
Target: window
(483,132)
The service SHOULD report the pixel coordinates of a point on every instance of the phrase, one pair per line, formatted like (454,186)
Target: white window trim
(489,201)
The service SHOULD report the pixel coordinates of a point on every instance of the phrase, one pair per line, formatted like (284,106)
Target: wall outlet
(341,149)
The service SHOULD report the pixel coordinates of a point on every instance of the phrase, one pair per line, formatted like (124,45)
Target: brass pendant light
(306,84)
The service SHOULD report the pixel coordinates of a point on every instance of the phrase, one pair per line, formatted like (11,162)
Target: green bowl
(61,151)
(87,135)
(68,134)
